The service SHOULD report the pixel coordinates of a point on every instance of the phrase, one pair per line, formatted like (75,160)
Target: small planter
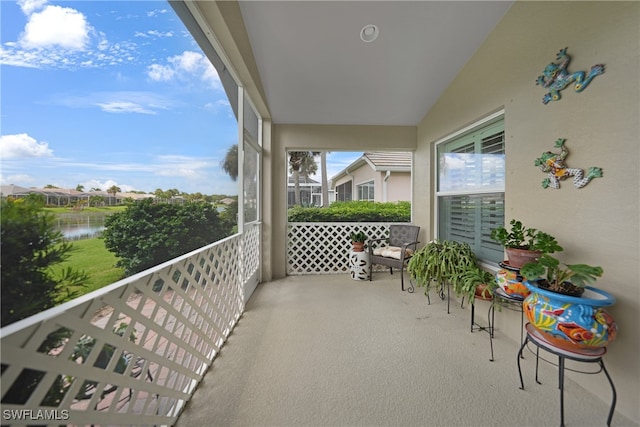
(483,292)
(358,246)
(571,322)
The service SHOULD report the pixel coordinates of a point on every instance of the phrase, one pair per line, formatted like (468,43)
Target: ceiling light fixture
(369,33)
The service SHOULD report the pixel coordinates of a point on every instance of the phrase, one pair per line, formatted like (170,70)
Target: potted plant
(474,282)
(357,240)
(440,262)
(524,244)
(551,275)
(564,307)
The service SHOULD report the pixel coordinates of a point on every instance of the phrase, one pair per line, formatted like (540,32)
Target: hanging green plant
(440,262)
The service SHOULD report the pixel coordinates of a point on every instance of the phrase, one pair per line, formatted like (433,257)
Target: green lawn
(91,256)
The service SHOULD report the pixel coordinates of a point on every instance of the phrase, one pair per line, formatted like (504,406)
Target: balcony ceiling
(315,69)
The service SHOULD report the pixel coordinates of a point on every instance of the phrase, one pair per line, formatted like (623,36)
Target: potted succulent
(357,240)
(474,282)
(524,244)
(564,307)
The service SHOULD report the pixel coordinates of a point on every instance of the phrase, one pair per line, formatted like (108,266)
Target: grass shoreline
(88,209)
(92,257)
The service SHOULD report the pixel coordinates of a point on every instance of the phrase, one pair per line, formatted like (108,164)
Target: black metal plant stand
(503,300)
(580,355)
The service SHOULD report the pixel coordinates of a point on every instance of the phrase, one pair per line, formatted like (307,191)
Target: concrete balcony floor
(331,351)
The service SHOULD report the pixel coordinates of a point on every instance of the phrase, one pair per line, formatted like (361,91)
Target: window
(344,192)
(470,194)
(365,191)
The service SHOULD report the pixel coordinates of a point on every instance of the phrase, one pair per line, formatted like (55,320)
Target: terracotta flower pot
(358,246)
(519,257)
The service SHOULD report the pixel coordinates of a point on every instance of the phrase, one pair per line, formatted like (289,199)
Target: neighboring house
(380,176)
(310,192)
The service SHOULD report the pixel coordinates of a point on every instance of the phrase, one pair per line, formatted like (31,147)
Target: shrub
(147,234)
(30,246)
(355,211)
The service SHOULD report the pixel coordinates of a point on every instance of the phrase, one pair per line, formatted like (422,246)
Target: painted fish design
(575,332)
(556,312)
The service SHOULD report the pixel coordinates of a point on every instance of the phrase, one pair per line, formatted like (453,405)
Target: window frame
(371,188)
(490,120)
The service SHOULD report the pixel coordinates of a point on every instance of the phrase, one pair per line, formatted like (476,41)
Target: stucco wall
(398,187)
(598,224)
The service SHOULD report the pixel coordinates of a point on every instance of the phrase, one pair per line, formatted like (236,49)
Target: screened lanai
(230,338)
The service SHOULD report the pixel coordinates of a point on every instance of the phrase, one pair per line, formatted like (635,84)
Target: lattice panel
(323,247)
(131,353)
(251,250)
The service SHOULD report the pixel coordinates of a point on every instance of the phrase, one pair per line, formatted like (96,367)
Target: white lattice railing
(323,247)
(67,366)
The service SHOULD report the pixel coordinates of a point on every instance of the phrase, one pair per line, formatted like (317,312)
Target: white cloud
(160,73)
(104,185)
(153,33)
(116,102)
(21,179)
(56,26)
(28,6)
(184,166)
(184,67)
(124,107)
(23,146)
(156,12)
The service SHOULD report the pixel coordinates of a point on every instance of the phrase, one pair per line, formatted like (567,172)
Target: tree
(79,187)
(301,163)
(230,163)
(160,194)
(96,200)
(36,199)
(29,246)
(114,189)
(147,234)
(230,214)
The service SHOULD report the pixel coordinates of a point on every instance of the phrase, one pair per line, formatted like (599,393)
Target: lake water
(79,225)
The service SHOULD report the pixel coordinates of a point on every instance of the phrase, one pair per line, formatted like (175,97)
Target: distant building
(67,197)
(379,176)
(310,192)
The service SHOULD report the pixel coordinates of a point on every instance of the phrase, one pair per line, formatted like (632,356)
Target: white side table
(360,265)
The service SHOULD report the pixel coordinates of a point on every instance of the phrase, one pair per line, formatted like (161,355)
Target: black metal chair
(400,236)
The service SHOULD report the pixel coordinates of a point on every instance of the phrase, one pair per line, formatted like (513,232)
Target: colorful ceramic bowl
(511,283)
(569,321)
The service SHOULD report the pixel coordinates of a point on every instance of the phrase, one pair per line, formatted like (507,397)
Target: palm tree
(301,162)
(114,189)
(230,163)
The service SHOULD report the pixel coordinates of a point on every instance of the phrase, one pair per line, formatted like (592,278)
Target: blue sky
(102,93)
